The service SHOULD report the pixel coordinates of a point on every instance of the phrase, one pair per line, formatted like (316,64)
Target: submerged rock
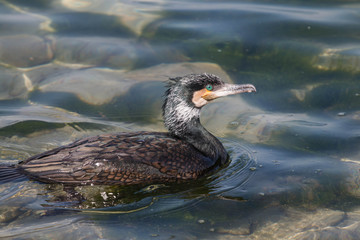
(68,227)
(16,83)
(13,23)
(299,224)
(97,51)
(334,96)
(92,86)
(14,20)
(25,50)
(352,180)
(134,16)
(346,58)
(9,214)
(38,75)
(12,84)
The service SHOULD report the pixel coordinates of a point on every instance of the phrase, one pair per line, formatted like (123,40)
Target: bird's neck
(183,121)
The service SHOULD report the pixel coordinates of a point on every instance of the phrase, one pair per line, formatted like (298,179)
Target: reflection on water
(76,68)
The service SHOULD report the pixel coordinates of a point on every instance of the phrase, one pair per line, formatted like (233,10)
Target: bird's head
(187,95)
(199,89)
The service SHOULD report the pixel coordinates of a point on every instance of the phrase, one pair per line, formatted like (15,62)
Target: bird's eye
(209,87)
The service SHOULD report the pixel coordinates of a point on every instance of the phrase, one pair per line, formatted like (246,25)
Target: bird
(187,151)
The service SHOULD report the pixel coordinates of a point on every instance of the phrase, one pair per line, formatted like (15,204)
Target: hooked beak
(228,89)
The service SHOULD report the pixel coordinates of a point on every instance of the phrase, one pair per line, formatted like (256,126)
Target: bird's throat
(183,122)
(182,119)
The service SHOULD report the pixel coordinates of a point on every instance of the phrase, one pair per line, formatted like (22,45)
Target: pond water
(76,68)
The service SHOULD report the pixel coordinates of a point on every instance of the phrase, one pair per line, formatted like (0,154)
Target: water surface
(76,68)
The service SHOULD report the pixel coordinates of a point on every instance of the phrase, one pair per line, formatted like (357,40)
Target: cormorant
(187,151)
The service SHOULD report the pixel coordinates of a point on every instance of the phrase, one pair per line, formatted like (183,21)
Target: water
(76,68)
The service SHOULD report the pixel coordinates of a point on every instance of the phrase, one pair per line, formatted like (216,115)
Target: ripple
(25,230)
(239,171)
(9,190)
(11,153)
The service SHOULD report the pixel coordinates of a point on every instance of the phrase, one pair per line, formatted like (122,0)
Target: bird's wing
(126,158)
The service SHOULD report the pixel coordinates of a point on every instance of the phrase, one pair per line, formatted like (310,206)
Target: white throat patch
(185,112)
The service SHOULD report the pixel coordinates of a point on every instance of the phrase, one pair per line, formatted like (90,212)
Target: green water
(76,68)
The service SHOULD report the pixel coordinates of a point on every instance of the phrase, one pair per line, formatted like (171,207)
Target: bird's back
(124,158)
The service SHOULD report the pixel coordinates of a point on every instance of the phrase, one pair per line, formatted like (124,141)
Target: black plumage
(187,151)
